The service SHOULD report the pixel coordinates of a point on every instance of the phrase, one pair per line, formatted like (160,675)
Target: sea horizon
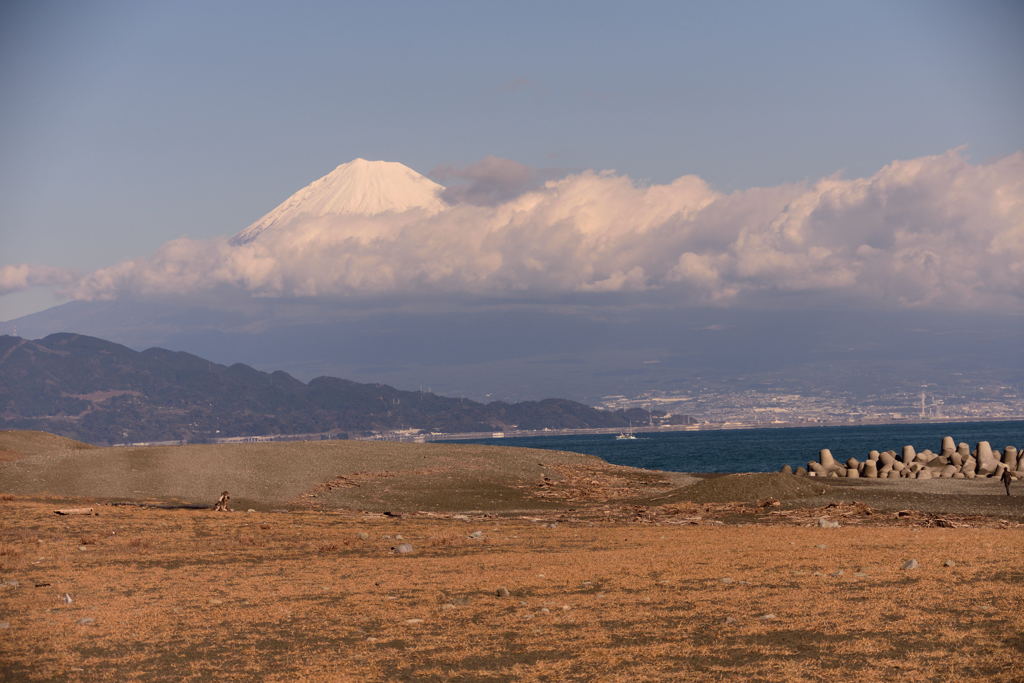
(766,449)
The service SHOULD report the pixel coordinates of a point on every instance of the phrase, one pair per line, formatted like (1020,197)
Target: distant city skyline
(129,125)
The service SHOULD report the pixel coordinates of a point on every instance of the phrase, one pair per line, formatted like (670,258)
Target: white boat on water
(628,434)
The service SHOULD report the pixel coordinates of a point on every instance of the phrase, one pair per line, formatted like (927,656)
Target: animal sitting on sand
(222,503)
(1006,479)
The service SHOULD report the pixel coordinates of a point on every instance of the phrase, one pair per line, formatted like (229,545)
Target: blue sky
(128,124)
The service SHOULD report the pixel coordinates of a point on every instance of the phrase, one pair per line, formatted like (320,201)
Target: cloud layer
(14,278)
(929,232)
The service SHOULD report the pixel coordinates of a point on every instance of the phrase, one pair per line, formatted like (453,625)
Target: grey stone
(86,621)
(726,579)
(67,599)
(363,535)
(403,548)
(838,572)
(800,472)
(821,546)
(476,534)
(910,564)
(949,563)
(786,469)
(767,617)
(502,592)
(9,583)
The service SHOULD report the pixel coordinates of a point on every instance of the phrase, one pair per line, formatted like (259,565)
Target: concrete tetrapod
(986,459)
(826,459)
(1010,458)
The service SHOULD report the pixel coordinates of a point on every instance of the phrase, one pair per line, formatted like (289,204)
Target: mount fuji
(357,188)
(578,347)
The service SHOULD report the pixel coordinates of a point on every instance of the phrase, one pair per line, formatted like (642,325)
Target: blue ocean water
(766,450)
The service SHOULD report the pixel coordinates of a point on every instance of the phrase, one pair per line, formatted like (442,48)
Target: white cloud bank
(930,232)
(21,276)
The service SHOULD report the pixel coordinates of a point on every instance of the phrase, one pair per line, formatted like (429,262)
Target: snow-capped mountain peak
(359,188)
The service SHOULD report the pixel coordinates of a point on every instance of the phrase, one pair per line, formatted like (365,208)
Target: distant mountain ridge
(101,392)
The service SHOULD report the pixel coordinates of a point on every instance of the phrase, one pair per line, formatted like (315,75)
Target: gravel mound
(363,475)
(19,443)
(751,487)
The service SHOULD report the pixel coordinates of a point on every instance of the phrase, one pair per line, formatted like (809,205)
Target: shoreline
(708,427)
(420,436)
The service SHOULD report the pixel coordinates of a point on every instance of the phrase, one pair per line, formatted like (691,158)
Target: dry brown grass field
(612,575)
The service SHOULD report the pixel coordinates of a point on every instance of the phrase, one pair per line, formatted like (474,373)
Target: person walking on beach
(1006,479)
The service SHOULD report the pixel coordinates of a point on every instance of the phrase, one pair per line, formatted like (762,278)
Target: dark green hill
(90,389)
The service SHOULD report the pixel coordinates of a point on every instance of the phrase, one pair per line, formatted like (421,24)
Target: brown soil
(676,595)
(753,486)
(613,573)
